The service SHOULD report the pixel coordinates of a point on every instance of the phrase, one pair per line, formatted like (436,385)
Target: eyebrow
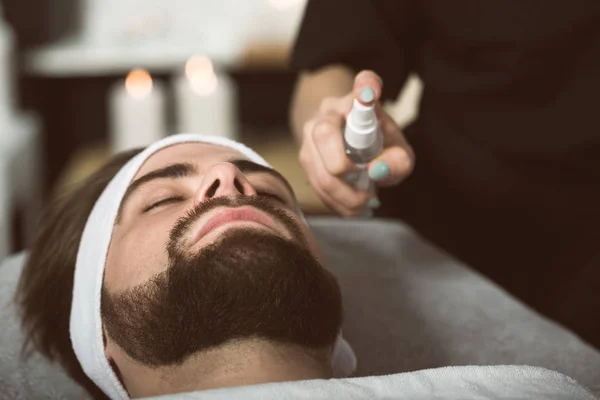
(186,169)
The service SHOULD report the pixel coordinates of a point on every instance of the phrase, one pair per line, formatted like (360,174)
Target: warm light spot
(201,75)
(198,64)
(139,83)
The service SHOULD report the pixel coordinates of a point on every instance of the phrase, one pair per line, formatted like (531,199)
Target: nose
(223,180)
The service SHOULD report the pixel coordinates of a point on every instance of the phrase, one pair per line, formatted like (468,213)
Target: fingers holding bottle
(352,140)
(397,159)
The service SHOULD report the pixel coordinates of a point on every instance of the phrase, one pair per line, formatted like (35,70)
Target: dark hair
(44,292)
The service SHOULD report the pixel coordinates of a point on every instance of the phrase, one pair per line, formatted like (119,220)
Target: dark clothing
(508,135)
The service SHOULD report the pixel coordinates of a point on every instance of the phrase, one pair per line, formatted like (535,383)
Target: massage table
(422,326)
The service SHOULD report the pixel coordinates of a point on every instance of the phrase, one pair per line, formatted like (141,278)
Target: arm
(333,43)
(312,88)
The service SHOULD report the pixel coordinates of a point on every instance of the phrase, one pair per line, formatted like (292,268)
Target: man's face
(209,248)
(149,213)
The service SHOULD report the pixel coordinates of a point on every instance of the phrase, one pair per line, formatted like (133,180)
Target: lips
(230,215)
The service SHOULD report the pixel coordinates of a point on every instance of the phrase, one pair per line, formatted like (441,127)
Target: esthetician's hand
(330,171)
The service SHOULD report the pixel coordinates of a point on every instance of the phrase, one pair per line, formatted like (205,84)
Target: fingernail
(379,171)
(351,177)
(373,203)
(367,94)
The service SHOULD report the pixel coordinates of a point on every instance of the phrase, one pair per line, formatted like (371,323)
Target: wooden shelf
(73,58)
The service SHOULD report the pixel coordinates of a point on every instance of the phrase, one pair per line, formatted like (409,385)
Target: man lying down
(184,267)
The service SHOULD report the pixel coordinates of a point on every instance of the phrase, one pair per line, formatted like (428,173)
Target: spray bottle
(363,138)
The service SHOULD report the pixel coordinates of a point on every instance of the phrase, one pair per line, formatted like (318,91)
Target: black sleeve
(361,34)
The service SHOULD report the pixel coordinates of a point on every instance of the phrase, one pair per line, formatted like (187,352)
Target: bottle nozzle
(361,126)
(363,117)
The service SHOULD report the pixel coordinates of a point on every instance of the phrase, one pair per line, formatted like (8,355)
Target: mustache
(183,225)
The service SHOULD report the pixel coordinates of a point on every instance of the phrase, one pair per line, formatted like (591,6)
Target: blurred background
(83,79)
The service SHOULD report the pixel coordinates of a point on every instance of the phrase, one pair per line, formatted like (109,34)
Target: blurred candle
(7,76)
(137,111)
(205,100)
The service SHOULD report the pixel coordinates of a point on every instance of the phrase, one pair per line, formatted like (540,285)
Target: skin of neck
(239,363)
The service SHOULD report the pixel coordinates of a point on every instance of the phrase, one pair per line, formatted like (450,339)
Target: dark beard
(249,283)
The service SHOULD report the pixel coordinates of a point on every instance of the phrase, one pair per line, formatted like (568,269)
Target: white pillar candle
(7,77)
(137,111)
(205,100)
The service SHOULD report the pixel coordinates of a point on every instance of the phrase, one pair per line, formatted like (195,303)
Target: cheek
(135,256)
(311,240)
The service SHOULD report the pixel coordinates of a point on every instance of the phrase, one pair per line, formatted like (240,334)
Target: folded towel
(86,323)
(456,383)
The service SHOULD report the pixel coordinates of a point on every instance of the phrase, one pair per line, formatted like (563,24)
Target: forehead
(203,155)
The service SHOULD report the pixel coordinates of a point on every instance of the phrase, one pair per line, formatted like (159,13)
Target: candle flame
(139,83)
(201,75)
(198,64)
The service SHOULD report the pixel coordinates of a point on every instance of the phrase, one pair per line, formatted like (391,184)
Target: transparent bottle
(363,141)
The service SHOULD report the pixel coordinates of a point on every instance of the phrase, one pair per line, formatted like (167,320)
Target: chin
(248,283)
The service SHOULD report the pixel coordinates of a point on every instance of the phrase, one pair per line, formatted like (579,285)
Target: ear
(108,346)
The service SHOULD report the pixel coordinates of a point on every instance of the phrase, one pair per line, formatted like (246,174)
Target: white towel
(85,322)
(450,383)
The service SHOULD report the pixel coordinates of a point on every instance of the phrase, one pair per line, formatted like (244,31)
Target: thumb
(367,87)
(392,166)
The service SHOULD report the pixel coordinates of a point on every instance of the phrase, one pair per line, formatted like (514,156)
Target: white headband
(86,323)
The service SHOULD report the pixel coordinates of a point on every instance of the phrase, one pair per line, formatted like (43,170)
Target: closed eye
(172,199)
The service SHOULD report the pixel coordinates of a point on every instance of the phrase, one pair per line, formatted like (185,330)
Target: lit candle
(137,111)
(7,76)
(205,100)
